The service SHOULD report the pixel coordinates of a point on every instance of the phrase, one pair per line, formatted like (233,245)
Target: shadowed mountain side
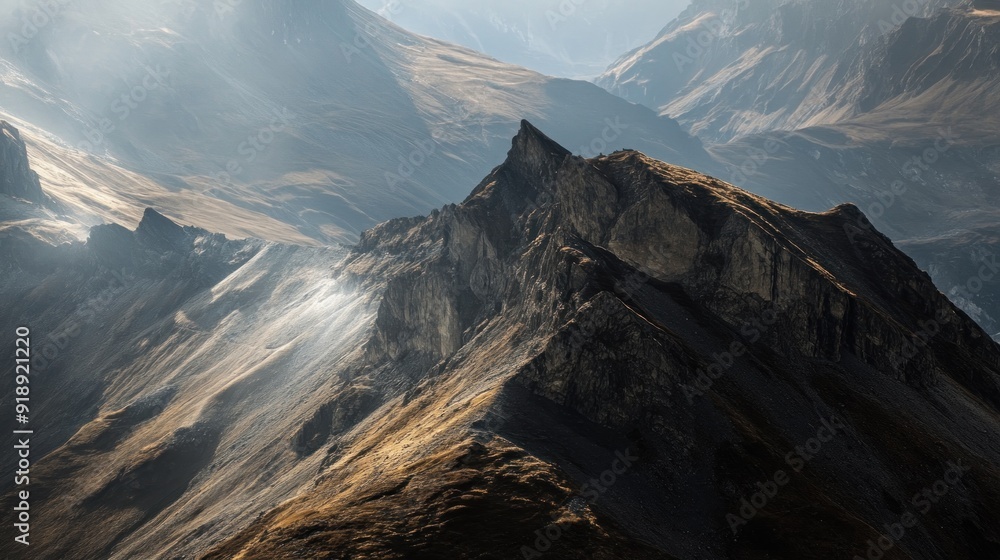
(598,357)
(17,180)
(813,104)
(580,333)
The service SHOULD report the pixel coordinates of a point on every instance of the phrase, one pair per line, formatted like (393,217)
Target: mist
(564,38)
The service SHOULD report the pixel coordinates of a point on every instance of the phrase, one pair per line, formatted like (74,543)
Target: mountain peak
(533,161)
(530,137)
(152,218)
(159,230)
(16,177)
(532,148)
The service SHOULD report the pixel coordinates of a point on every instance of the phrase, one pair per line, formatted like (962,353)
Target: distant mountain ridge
(302,122)
(778,64)
(887,105)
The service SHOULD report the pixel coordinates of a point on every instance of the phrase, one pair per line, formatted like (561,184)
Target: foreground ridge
(605,358)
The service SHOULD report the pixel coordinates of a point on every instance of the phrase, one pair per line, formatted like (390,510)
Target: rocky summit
(587,358)
(17,180)
(887,105)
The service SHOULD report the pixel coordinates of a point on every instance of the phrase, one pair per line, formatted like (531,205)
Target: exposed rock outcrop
(17,180)
(813,103)
(579,307)
(587,358)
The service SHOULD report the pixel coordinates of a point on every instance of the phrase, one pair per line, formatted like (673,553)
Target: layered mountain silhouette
(728,68)
(304,122)
(888,105)
(610,357)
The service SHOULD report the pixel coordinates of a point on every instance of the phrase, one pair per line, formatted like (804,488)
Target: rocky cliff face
(17,180)
(813,104)
(572,308)
(599,358)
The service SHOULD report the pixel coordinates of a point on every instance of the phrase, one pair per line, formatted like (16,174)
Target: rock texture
(17,180)
(572,307)
(884,104)
(596,358)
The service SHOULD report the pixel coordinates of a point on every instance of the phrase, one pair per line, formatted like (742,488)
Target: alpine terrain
(303,122)
(610,357)
(889,105)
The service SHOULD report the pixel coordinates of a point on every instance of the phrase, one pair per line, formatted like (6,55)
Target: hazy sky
(569,38)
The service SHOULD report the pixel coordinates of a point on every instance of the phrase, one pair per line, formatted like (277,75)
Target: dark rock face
(157,230)
(16,177)
(620,303)
(159,247)
(603,358)
(883,104)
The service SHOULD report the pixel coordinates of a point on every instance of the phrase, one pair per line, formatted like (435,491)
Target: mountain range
(813,104)
(587,342)
(574,39)
(616,349)
(355,121)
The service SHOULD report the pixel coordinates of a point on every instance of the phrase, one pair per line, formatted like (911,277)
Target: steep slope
(89,191)
(17,180)
(729,68)
(886,105)
(317,115)
(586,358)
(168,361)
(606,313)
